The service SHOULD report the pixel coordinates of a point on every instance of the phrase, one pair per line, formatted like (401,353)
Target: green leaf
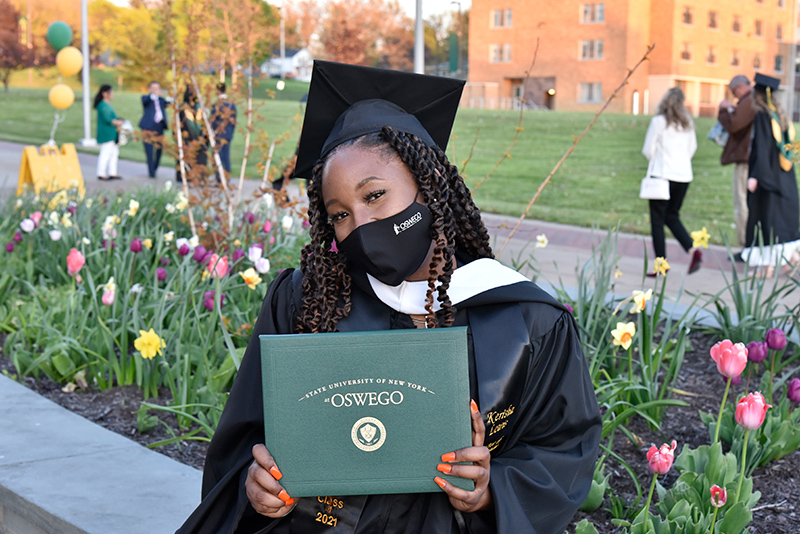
(585,527)
(63,364)
(735,519)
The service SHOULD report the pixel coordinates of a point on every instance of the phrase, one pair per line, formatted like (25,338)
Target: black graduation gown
(527,370)
(774,207)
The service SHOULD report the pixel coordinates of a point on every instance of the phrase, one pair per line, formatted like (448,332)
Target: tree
(13,54)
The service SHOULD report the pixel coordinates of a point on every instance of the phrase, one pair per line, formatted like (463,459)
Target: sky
(432,7)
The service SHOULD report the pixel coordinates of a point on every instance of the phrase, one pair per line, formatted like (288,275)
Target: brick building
(586,48)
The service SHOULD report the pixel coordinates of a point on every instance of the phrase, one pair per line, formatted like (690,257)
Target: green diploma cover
(365,412)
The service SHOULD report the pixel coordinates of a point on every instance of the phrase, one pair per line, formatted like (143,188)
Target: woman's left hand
(481,497)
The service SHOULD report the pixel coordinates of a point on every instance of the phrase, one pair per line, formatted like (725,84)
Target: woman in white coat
(670,144)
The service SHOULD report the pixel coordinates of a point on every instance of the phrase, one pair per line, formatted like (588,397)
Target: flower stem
(721,407)
(744,462)
(771,375)
(649,498)
(714,520)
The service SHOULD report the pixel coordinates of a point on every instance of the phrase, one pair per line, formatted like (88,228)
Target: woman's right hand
(752,185)
(266,496)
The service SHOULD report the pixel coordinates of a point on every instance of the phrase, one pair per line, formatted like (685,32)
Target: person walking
(107,124)
(669,145)
(223,121)
(773,237)
(738,121)
(195,142)
(153,124)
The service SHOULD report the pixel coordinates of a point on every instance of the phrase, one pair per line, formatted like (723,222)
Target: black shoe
(738,257)
(104,178)
(115,177)
(697,259)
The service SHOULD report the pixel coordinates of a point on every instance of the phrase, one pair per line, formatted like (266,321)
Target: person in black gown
(372,144)
(773,222)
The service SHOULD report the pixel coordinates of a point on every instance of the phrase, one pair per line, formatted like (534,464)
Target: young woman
(107,124)
(773,237)
(377,168)
(669,145)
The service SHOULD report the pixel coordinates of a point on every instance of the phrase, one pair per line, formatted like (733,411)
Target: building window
(500,53)
(737,24)
(591,93)
(781,3)
(594,13)
(736,58)
(757,62)
(712,20)
(778,64)
(501,18)
(686,52)
(688,16)
(592,49)
(711,55)
(759,29)
(681,84)
(705,93)
(779,32)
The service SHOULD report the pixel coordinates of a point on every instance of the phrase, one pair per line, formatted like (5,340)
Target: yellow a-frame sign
(48,169)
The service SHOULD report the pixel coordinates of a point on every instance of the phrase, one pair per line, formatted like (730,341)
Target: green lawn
(597,185)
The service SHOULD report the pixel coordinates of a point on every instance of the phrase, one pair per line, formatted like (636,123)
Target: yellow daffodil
(700,238)
(236,243)
(147,243)
(108,286)
(251,278)
(89,202)
(661,266)
(623,335)
(617,273)
(170,208)
(59,199)
(169,236)
(541,241)
(66,220)
(133,207)
(205,275)
(149,344)
(182,202)
(640,299)
(194,241)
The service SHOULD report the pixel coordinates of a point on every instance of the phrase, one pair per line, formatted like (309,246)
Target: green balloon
(59,35)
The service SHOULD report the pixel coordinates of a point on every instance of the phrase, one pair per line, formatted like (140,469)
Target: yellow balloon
(69,61)
(61,96)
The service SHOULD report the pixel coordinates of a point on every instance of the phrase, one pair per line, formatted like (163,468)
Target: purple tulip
(306,224)
(107,243)
(208,300)
(757,351)
(238,254)
(71,209)
(793,390)
(568,307)
(734,381)
(136,245)
(199,253)
(184,250)
(775,338)
(163,260)
(10,246)
(249,217)
(161,274)
(18,237)
(207,256)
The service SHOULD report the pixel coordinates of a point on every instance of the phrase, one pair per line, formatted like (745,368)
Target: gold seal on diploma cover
(368,434)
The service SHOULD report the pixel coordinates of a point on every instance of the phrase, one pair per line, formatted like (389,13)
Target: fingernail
(473,405)
(290,502)
(449,457)
(275,472)
(444,468)
(284,496)
(439,481)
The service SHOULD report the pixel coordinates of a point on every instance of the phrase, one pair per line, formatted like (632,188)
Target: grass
(597,185)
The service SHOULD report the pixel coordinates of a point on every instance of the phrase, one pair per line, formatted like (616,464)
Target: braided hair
(457,225)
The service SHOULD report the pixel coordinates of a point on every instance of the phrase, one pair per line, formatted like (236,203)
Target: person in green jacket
(107,124)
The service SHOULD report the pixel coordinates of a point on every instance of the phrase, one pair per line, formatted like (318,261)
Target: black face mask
(391,249)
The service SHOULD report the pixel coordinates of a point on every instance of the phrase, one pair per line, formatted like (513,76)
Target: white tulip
(55,235)
(27,225)
(262,265)
(287,222)
(255,252)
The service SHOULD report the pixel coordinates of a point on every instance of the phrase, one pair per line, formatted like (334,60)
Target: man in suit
(223,120)
(153,124)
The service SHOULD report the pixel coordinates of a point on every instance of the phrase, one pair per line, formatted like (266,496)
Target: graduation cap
(348,101)
(765,81)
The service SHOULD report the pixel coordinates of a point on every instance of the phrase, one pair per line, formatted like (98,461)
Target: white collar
(472,279)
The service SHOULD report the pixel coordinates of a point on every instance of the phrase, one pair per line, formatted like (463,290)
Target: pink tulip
(757,351)
(267,227)
(37,217)
(660,460)
(775,338)
(793,390)
(218,266)
(751,411)
(569,308)
(719,496)
(731,358)
(75,262)
(108,297)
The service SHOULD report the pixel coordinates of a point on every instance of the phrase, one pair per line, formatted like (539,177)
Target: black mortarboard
(348,101)
(767,81)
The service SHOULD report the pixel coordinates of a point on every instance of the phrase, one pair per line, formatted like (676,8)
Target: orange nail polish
(275,472)
(449,457)
(473,405)
(284,496)
(439,481)
(444,468)
(290,502)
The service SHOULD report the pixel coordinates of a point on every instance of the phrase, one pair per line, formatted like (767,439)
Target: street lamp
(460,30)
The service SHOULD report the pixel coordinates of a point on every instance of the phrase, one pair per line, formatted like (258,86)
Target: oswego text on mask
(370,398)
(408,223)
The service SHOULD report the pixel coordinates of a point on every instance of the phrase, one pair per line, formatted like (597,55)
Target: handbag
(654,188)
(718,134)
